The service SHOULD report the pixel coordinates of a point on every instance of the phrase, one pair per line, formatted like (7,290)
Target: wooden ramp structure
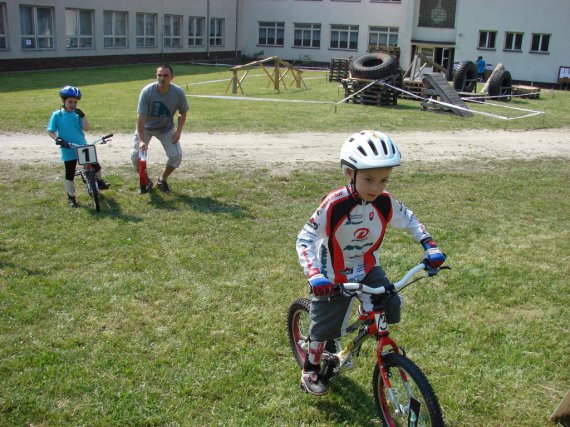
(276,76)
(436,85)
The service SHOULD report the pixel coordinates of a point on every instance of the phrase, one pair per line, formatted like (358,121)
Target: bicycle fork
(384,341)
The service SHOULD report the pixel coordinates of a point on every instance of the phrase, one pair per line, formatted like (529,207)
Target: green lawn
(170,311)
(110,98)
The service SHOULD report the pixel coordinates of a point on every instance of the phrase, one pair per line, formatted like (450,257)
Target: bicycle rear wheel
(298,322)
(407,381)
(92,188)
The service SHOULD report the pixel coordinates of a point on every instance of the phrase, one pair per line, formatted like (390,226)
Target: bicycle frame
(377,326)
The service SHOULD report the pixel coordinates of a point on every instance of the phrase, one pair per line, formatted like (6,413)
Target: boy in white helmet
(341,241)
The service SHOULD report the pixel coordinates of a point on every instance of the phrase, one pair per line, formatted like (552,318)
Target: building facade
(532,43)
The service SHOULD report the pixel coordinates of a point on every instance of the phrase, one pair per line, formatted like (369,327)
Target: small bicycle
(403,395)
(87,157)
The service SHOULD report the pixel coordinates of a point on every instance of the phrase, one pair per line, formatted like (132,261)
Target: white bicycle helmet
(369,149)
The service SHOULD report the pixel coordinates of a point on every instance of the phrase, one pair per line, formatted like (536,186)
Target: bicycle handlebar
(102,140)
(400,284)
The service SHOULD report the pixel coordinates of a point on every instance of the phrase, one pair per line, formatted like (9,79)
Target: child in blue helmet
(68,123)
(341,243)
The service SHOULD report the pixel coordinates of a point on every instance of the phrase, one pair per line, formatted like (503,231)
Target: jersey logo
(361,233)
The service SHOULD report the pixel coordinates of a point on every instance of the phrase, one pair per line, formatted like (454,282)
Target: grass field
(170,311)
(110,98)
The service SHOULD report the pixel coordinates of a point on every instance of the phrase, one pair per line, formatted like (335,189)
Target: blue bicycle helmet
(70,91)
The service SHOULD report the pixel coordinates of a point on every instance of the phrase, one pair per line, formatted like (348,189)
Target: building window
(437,13)
(146,30)
(3,37)
(172,31)
(36,27)
(540,43)
(383,36)
(216,31)
(487,39)
(344,37)
(271,33)
(513,41)
(115,25)
(385,1)
(78,29)
(196,31)
(307,35)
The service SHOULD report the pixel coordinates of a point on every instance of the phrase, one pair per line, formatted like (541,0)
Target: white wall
(217,8)
(326,13)
(526,16)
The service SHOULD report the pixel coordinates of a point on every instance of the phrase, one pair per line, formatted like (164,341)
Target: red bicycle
(403,394)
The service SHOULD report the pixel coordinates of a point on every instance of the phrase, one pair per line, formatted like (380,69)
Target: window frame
(513,35)
(78,37)
(541,37)
(274,30)
(216,32)
(488,44)
(311,29)
(146,36)
(174,39)
(348,29)
(114,36)
(35,37)
(193,34)
(3,28)
(382,30)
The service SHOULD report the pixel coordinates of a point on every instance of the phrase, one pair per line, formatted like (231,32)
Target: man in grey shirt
(158,103)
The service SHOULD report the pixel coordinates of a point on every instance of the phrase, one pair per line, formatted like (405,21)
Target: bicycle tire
(398,366)
(298,322)
(92,189)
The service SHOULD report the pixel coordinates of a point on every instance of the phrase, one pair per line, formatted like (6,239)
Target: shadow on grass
(199,204)
(110,209)
(358,407)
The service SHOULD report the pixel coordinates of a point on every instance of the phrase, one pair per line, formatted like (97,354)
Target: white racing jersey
(342,238)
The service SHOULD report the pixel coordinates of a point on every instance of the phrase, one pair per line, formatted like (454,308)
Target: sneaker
(312,383)
(162,186)
(146,188)
(72,202)
(103,185)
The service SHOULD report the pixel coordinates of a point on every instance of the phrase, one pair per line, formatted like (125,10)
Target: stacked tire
(374,66)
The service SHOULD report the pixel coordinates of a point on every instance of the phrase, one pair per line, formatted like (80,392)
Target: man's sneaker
(103,185)
(146,188)
(312,383)
(162,186)
(72,202)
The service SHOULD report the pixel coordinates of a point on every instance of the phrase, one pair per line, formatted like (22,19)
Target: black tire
(298,329)
(500,84)
(92,189)
(373,66)
(430,412)
(465,77)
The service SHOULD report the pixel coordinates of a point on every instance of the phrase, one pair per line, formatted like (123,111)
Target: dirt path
(293,149)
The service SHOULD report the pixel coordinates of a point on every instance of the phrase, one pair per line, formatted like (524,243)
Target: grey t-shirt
(160,109)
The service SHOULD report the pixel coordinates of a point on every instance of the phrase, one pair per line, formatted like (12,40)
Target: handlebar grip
(107,136)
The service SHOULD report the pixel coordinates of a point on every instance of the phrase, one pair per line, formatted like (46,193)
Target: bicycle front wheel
(298,322)
(92,189)
(407,381)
